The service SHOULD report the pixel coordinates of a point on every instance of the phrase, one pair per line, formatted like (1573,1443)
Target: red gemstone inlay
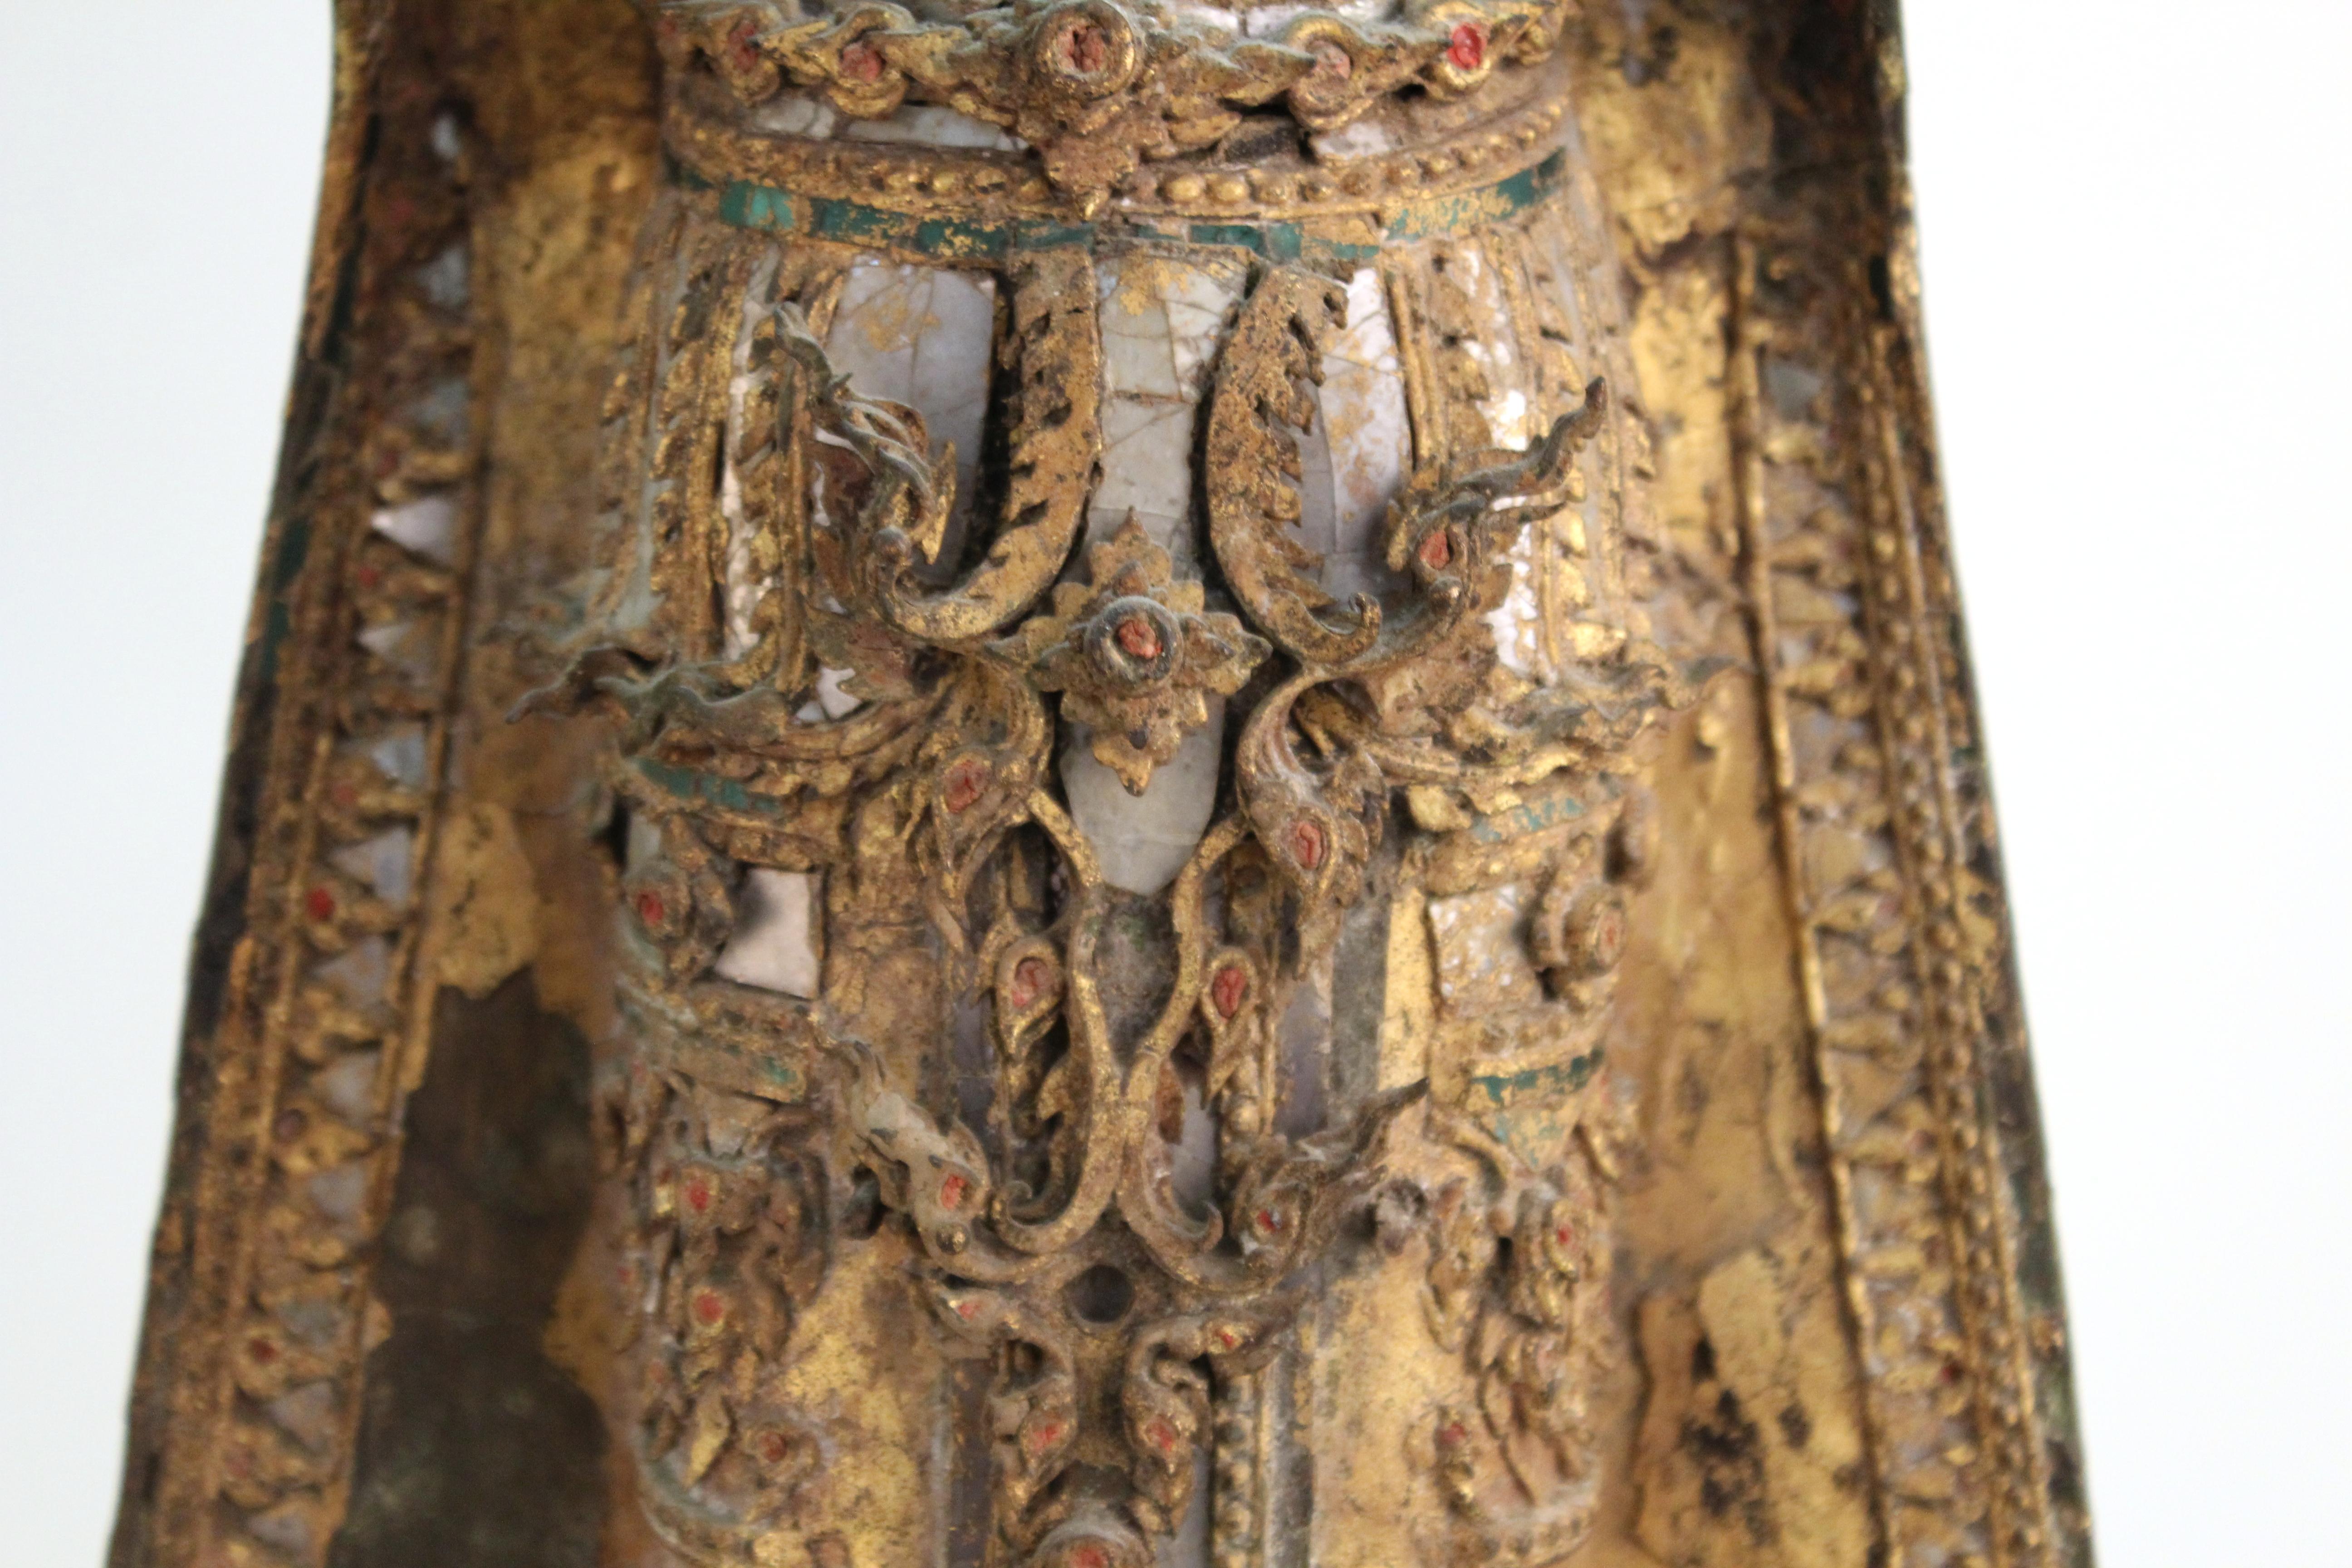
(1085,48)
(1089,1556)
(1307,846)
(1030,977)
(1268,1220)
(1139,637)
(1163,1435)
(774,1446)
(966,1310)
(261,1350)
(320,904)
(740,52)
(965,783)
(1564,1236)
(1043,1436)
(709,1308)
(1467,49)
(649,909)
(862,62)
(1436,551)
(1229,990)
(697,1195)
(952,1190)
(1230,1340)
(1608,939)
(1453,1435)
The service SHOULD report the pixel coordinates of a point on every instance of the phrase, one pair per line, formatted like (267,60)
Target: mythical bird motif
(1050,1221)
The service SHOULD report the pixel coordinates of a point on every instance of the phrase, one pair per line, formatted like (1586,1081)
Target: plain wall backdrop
(2134,221)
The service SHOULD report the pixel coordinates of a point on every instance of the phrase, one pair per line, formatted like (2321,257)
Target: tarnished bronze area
(1106,785)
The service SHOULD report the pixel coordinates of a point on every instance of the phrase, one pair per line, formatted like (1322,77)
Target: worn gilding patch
(485,901)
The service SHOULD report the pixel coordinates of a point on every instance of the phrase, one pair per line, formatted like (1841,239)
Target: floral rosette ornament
(1134,655)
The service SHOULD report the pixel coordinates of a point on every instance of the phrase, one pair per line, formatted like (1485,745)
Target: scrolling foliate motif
(1401,694)
(1096,924)
(1063,1226)
(735,1246)
(1097,86)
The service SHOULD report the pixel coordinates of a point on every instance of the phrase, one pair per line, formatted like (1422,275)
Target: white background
(2134,222)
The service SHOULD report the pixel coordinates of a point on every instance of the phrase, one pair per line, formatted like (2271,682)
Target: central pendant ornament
(1134,656)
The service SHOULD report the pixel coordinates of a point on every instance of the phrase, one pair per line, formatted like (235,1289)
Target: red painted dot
(741,51)
(1089,1556)
(1139,637)
(966,782)
(1160,1435)
(1029,978)
(320,904)
(1453,1435)
(370,576)
(697,1195)
(709,1308)
(261,1350)
(1268,1220)
(862,62)
(775,1447)
(1467,49)
(649,909)
(1436,551)
(967,1309)
(1564,1236)
(1307,844)
(1229,989)
(953,1190)
(1043,1436)
(1229,1339)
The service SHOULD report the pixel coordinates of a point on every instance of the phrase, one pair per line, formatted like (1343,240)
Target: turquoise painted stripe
(765,207)
(773,210)
(1544,1083)
(707,789)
